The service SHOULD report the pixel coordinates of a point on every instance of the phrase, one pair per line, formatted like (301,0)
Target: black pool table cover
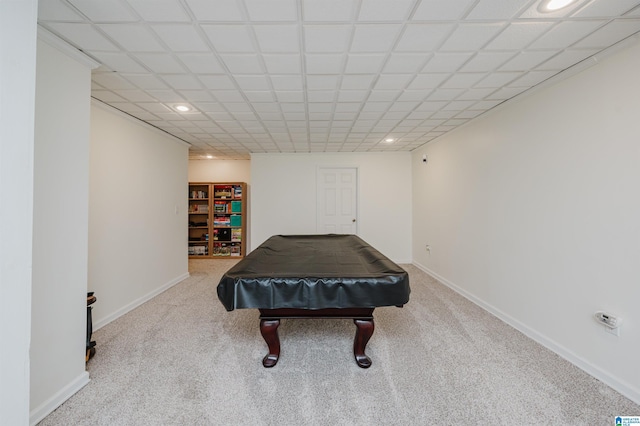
(314,272)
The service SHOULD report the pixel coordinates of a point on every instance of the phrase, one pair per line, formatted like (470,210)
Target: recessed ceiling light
(182,108)
(209,157)
(553,5)
(389,140)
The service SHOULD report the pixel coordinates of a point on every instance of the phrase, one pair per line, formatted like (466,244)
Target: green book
(236,207)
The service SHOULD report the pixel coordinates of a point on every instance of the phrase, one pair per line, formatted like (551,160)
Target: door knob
(353,220)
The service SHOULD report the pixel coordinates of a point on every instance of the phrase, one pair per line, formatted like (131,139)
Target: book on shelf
(236,207)
(220,207)
(198,250)
(221,221)
(222,191)
(236,235)
(237,191)
(199,208)
(198,194)
(235,220)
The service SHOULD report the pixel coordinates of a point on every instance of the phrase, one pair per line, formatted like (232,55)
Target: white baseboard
(626,389)
(101,322)
(56,400)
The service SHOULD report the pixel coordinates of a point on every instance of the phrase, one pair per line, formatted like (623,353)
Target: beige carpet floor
(181,359)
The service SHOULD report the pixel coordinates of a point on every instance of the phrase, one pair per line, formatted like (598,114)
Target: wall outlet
(428,248)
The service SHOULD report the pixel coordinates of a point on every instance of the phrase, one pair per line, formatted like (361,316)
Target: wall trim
(98,103)
(58,398)
(64,47)
(620,386)
(139,301)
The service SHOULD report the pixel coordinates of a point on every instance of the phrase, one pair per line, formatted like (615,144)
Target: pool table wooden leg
(363,334)
(269,331)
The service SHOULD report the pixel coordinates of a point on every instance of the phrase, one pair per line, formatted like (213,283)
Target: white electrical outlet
(428,248)
(611,322)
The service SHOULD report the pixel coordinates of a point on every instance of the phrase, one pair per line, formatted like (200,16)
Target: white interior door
(337,200)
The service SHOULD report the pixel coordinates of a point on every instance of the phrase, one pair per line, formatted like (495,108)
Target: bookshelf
(217,220)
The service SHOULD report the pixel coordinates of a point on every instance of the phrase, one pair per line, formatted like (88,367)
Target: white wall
(60,229)
(137,213)
(17,104)
(220,171)
(283,197)
(533,212)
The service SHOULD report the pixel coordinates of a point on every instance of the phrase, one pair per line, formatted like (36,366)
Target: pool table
(314,276)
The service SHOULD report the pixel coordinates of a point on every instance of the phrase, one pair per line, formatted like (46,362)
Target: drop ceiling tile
(104,10)
(133,37)
(272,10)
(527,60)
(199,63)
(384,10)
(462,80)
(181,81)
(322,82)
(446,62)
(565,34)
(242,64)
(352,95)
(216,10)
(277,38)
(364,64)
(374,38)
(84,36)
(403,106)
(146,81)
(57,10)
(401,63)
(106,96)
(497,9)
(286,82)
(324,63)
(237,107)
(326,38)
(413,95)
(392,81)
(329,10)
(498,79)
(376,106)
(165,95)
(224,96)
(127,107)
(444,94)
(486,61)
(605,8)
(518,35)
(229,38)
(162,63)
(357,82)
(470,37)
(135,95)
(475,94)
(282,64)
(196,96)
(423,38)
(383,95)
(348,107)
(437,10)
(253,82)
(160,10)
(291,96)
(260,96)
(217,82)
(427,81)
(609,34)
(321,95)
(112,80)
(181,37)
(119,62)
